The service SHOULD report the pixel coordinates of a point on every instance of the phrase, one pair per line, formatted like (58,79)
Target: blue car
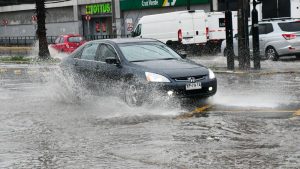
(140,67)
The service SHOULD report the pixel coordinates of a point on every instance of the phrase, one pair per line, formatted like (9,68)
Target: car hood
(174,68)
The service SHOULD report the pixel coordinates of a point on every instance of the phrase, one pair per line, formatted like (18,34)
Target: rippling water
(50,121)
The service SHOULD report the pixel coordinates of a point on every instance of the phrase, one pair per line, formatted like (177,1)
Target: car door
(84,65)
(108,74)
(56,43)
(265,35)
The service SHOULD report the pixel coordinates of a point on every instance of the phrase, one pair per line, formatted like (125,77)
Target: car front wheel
(133,95)
(271,54)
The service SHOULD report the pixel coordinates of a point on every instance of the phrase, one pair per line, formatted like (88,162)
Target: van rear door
(199,20)
(192,26)
(186,26)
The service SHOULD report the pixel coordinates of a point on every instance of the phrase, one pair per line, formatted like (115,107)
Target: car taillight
(289,36)
(207,31)
(179,35)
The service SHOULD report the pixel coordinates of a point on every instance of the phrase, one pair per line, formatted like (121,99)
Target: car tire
(271,54)
(133,95)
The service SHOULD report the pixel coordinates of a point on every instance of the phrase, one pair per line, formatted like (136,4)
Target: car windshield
(75,39)
(290,26)
(139,52)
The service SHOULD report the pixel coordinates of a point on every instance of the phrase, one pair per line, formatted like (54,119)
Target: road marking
(252,111)
(204,109)
(297,113)
(17,72)
(198,110)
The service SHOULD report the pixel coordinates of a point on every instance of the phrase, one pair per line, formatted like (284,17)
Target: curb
(265,72)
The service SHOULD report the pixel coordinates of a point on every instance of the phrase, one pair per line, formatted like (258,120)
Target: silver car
(277,38)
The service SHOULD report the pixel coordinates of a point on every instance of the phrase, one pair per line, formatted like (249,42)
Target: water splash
(64,88)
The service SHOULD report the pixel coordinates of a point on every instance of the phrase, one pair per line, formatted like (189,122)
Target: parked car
(277,38)
(140,67)
(177,28)
(68,43)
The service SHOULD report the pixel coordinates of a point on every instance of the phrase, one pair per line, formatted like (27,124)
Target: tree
(40,11)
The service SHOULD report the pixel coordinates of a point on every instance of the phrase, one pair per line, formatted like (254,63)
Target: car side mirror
(111,60)
(183,54)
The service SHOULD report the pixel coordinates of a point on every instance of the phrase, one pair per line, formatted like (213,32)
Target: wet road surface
(48,121)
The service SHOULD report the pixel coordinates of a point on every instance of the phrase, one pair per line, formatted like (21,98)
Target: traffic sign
(88,17)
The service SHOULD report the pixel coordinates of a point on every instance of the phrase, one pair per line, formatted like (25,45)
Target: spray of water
(64,87)
(53,52)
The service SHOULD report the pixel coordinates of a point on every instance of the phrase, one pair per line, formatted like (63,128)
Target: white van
(182,27)
(216,28)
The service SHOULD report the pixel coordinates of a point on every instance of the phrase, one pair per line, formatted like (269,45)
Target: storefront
(97,19)
(133,10)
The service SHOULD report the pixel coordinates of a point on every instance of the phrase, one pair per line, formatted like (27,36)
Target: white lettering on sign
(150,3)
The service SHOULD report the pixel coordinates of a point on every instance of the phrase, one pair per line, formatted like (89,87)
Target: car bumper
(178,89)
(289,50)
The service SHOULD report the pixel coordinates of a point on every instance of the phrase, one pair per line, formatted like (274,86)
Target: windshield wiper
(139,60)
(167,59)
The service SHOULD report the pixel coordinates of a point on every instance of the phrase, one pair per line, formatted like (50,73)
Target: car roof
(127,40)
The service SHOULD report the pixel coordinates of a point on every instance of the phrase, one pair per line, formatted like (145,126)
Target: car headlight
(153,77)
(211,74)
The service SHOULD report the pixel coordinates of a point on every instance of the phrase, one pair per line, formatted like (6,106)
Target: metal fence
(30,40)
(22,40)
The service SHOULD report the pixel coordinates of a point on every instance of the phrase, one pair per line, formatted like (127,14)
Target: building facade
(267,9)
(62,18)
(88,17)
(133,10)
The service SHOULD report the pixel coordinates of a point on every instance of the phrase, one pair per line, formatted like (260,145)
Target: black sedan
(140,67)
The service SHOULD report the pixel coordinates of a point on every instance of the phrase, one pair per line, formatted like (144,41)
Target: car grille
(186,79)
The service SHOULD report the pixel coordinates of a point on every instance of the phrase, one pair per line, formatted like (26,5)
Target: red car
(68,43)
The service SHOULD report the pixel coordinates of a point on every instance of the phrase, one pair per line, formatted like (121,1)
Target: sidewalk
(219,65)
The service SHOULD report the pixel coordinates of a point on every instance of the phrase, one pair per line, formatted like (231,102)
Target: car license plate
(193,86)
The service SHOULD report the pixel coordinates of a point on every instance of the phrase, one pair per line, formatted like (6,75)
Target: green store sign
(95,9)
(142,4)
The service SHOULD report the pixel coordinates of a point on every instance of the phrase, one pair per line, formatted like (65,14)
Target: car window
(75,39)
(265,28)
(290,26)
(106,51)
(89,52)
(147,51)
(57,40)
(138,30)
(61,40)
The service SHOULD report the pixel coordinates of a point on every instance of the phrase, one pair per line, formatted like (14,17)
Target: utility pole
(229,38)
(243,39)
(255,36)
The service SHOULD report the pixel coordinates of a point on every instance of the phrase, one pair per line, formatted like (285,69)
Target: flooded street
(49,121)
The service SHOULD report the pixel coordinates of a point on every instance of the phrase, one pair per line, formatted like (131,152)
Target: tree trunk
(41,30)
